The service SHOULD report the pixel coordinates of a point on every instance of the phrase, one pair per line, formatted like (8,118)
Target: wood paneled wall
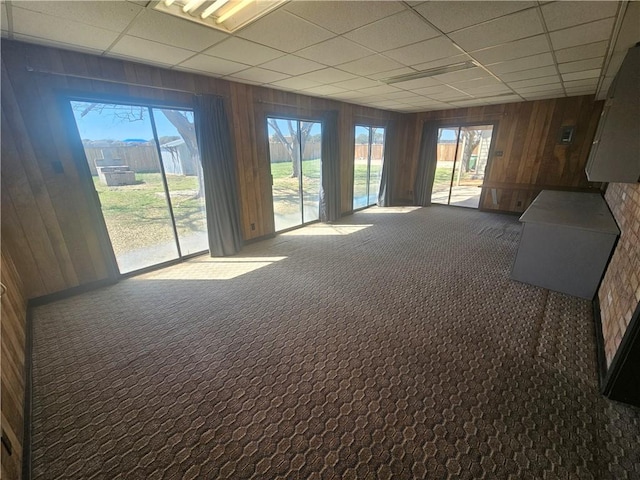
(13,325)
(49,221)
(531,157)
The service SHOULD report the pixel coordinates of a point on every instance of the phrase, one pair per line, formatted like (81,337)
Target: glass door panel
(122,154)
(367,165)
(284,155)
(463,153)
(181,162)
(311,169)
(473,153)
(375,164)
(446,156)
(361,168)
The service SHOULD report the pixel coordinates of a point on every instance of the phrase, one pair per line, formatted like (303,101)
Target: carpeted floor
(391,346)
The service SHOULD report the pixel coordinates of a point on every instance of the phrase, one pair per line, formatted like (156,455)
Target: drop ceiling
(348,50)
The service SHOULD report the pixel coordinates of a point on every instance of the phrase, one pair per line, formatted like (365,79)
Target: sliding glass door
(145,168)
(462,157)
(296,165)
(367,165)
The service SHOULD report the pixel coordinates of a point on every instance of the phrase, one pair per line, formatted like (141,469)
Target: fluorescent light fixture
(192,5)
(232,11)
(225,15)
(213,7)
(432,72)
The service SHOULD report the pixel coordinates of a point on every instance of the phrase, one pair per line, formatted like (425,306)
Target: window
(145,168)
(367,165)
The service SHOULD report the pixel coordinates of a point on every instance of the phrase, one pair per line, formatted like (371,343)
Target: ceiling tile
(56,30)
(357,83)
(400,95)
(513,50)
(212,65)
(233,78)
(243,51)
(324,90)
(283,31)
(587,33)
(582,52)
(448,94)
(328,76)
(260,75)
(457,15)
(371,65)
(558,15)
(418,83)
(544,95)
(114,16)
(292,65)
(451,60)
(380,90)
(581,65)
(432,90)
(485,90)
(476,83)
(594,73)
(154,25)
(392,32)
(390,73)
(340,17)
(529,82)
(427,51)
(588,82)
(334,52)
(572,92)
(462,75)
(295,83)
(159,53)
(468,102)
(540,88)
(502,30)
(526,63)
(528,74)
(502,99)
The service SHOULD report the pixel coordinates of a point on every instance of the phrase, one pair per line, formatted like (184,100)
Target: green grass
(138,215)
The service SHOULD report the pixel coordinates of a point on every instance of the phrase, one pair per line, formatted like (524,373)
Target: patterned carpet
(392,346)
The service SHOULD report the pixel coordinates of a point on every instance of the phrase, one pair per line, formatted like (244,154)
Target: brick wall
(619,293)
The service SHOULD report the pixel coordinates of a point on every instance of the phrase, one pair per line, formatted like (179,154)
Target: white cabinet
(615,153)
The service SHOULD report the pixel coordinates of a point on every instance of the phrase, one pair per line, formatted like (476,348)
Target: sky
(103,124)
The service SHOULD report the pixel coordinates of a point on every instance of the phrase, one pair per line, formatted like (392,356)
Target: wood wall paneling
(13,326)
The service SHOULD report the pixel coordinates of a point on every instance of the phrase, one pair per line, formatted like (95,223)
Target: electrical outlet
(253,226)
(519,204)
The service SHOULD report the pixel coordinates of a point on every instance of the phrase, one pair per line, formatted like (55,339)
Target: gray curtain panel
(219,172)
(330,191)
(426,164)
(385,195)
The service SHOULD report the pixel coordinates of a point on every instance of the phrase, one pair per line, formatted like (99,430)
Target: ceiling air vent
(432,72)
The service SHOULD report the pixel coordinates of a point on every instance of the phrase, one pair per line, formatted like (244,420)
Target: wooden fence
(141,158)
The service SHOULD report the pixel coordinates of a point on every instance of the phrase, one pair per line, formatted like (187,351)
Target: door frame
(298,118)
(494,124)
(369,125)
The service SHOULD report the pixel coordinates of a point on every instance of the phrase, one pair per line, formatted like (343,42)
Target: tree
(292,141)
(471,139)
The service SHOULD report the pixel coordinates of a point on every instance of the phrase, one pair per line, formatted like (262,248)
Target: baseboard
(601,357)
(53,297)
